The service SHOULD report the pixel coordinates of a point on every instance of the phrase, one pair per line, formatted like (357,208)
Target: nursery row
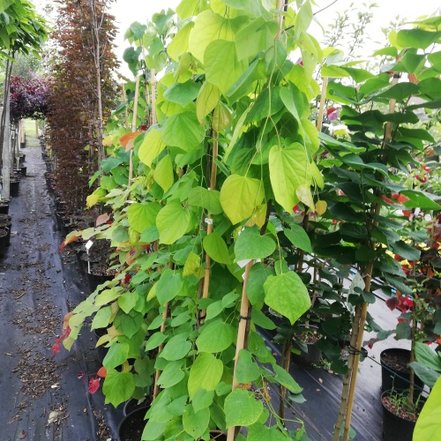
(254,191)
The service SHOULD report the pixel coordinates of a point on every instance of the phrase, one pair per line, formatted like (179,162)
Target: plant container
(132,425)
(398,424)
(310,354)
(3,240)
(133,404)
(395,373)
(5,223)
(4,207)
(14,187)
(23,170)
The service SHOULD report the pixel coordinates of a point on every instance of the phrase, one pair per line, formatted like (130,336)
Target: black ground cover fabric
(42,397)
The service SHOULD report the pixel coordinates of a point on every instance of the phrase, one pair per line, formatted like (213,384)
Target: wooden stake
(135,116)
(355,349)
(135,104)
(124,100)
(213,178)
(161,347)
(153,118)
(321,112)
(241,334)
(350,380)
(347,378)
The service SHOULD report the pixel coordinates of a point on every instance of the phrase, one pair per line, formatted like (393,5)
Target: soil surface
(44,397)
(396,360)
(398,410)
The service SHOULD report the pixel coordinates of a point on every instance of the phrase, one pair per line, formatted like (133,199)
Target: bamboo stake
(349,383)
(124,100)
(241,334)
(153,118)
(161,347)
(348,376)
(135,104)
(356,353)
(367,281)
(321,113)
(135,116)
(213,178)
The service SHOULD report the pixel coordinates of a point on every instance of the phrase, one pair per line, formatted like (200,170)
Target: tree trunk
(6,153)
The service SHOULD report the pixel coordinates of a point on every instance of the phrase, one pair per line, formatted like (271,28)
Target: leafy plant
(361,175)
(427,425)
(195,224)
(81,96)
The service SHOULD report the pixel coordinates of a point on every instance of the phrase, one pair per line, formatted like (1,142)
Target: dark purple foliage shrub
(29,98)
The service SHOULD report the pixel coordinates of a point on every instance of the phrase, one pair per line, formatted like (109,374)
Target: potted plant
(195,224)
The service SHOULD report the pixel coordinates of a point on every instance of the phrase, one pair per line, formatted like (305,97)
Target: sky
(128,11)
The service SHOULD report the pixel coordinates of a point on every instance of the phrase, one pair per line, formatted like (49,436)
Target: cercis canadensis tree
(82,94)
(197,230)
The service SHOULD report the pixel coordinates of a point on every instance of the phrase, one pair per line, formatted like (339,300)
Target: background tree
(82,94)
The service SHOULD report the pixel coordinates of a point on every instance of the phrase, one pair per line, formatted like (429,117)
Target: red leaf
(392,303)
(56,347)
(102,372)
(94,384)
(102,219)
(386,199)
(127,279)
(127,140)
(66,333)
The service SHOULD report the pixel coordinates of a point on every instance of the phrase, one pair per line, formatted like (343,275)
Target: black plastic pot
(310,354)
(97,279)
(3,240)
(132,405)
(132,426)
(395,427)
(396,376)
(4,207)
(14,186)
(23,170)
(5,223)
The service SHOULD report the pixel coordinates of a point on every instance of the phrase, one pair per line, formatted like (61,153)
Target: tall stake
(135,116)
(153,97)
(287,346)
(355,350)
(321,112)
(350,380)
(241,334)
(213,178)
(97,55)
(161,347)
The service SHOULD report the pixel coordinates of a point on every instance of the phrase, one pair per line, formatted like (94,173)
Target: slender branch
(326,7)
